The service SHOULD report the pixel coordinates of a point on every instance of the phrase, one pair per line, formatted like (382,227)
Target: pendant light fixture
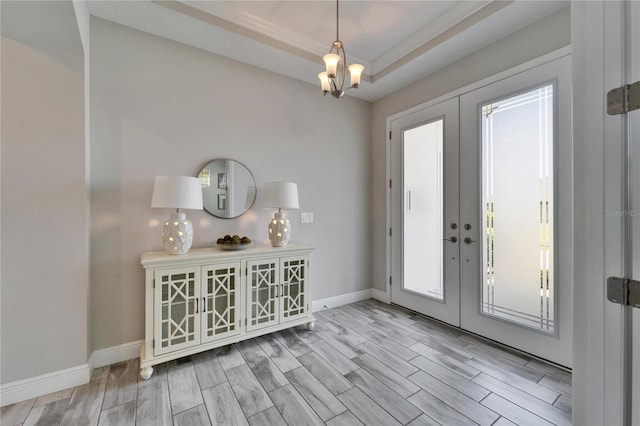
(332,80)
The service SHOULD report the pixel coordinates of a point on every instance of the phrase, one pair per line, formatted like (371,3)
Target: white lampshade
(331,62)
(324,81)
(355,72)
(281,195)
(178,192)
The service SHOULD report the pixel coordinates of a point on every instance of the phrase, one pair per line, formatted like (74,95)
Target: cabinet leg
(146,372)
(311,325)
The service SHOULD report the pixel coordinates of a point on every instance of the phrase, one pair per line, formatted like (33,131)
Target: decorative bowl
(241,246)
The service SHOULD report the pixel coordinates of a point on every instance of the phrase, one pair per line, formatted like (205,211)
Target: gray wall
(529,43)
(159,107)
(45,263)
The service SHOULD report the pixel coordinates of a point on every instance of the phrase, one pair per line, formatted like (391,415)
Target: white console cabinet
(211,297)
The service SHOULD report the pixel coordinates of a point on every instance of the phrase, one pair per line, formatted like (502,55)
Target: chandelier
(332,80)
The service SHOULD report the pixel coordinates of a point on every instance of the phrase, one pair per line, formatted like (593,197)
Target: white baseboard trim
(33,387)
(23,390)
(380,295)
(343,299)
(115,354)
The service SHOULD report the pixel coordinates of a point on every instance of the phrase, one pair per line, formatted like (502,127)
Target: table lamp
(280,195)
(177,192)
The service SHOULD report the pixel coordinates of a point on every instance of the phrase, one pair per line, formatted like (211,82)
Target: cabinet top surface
(215,253)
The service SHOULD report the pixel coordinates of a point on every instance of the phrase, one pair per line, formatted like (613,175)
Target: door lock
(469,240)
(452,239)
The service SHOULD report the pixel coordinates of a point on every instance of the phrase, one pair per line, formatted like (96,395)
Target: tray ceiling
(398,42)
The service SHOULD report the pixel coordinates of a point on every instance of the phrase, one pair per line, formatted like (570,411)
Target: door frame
(601,386)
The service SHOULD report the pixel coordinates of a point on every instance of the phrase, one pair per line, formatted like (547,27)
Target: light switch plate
(306,217)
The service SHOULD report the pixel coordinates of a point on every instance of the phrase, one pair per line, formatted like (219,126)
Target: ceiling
(398,42)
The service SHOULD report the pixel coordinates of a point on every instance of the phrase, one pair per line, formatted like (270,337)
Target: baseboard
(380,295)
(343,299)
(115,354)
(33,387)
(52,382)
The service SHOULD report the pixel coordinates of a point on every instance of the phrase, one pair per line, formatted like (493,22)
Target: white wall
(159,107)
(44,227)
(529,43)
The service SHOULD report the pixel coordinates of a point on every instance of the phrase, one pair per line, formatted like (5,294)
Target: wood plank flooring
(367,363)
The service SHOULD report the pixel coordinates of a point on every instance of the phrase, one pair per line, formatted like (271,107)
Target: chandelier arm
(333,84)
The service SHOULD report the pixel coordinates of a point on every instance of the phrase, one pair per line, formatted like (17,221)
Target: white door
(481,211)
(424,211)
(516,211)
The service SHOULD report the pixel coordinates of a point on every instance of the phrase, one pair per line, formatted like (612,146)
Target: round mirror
(228,188)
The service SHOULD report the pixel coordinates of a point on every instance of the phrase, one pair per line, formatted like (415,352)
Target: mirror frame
(255,195)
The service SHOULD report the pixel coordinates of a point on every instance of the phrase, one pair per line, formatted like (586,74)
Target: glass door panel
(221,295)
(176,307)
(517,196)
(422,209)
(262,297)
(294,288)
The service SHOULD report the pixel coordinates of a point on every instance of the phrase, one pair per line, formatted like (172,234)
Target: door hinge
(623,99)
(389,134)
(389,231)
(389,183)
(154,283)
(390,281)
(623,291)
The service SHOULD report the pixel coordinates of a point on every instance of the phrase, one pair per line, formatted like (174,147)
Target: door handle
(452,239)
(469,240)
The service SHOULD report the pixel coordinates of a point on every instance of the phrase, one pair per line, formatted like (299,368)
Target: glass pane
(422,209)
(517,195)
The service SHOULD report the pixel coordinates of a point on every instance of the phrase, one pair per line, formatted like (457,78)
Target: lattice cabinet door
(294,298)
(221,296)
(176,303)
(263,285)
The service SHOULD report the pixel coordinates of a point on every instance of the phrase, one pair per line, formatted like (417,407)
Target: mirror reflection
(228,188)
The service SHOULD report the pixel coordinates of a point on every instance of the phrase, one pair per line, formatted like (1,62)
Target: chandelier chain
(337,21)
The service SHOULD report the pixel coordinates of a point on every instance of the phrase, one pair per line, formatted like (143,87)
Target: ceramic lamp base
(177,234)
(279,229)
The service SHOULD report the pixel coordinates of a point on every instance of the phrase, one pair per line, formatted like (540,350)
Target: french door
(485,216)
(425,200)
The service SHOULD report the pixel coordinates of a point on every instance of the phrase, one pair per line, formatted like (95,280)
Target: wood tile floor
(367,363)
